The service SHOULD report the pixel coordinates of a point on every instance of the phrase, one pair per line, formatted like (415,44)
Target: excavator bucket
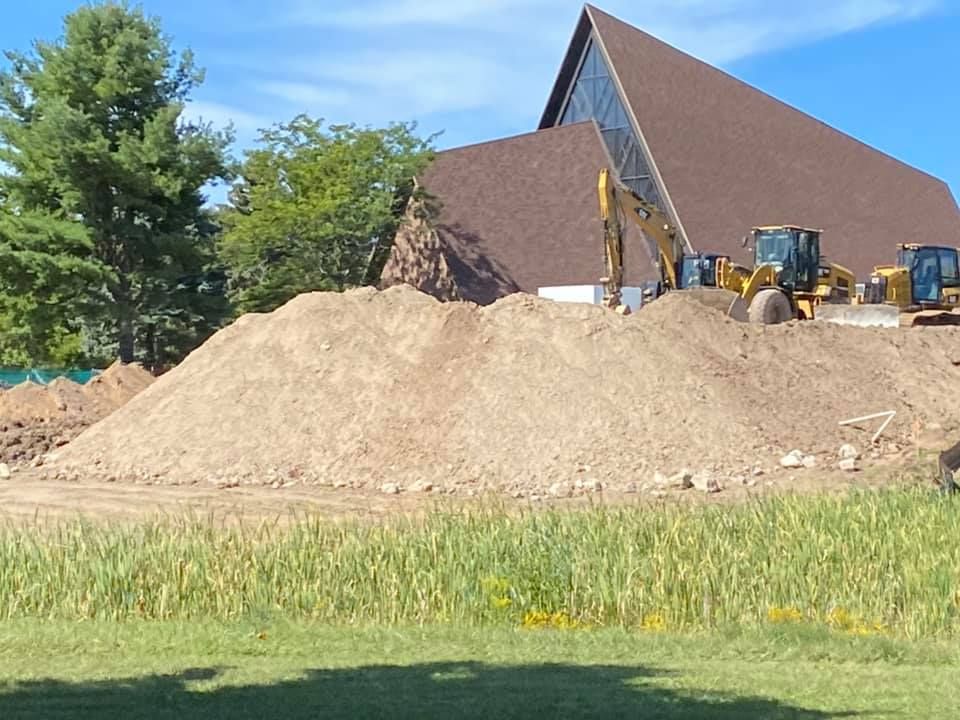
(726,301)
(885,316)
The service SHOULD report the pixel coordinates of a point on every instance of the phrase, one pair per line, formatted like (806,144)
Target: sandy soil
(367,388)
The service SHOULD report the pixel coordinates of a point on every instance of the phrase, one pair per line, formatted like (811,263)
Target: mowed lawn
(279,669)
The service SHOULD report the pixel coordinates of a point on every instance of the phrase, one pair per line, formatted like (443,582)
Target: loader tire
(770,307)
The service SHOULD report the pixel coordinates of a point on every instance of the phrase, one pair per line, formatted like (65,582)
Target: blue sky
(885,71)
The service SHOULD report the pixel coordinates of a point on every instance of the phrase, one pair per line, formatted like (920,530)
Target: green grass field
(799,607)
(880,562)
(160,670)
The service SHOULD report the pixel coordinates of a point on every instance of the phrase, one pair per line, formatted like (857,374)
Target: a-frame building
(717,155)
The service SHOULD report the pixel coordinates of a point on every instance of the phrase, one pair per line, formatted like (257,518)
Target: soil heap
(35,418)
(369,387)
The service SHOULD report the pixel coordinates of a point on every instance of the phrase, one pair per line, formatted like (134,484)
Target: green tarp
(14,376)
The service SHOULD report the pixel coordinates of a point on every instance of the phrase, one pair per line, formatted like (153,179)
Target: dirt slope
(34,418)
(371,387)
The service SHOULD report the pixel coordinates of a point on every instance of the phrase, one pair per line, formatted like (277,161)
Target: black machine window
(949,270)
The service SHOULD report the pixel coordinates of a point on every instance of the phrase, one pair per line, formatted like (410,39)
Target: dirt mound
(370,387)
(35,419)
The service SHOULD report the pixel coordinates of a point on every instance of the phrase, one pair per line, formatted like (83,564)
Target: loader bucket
(884,316)
(726,301)
(950,469)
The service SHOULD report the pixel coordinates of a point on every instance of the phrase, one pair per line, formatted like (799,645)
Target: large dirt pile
(34,419)
(370,387)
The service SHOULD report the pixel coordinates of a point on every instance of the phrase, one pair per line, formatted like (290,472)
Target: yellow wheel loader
(704,276)
(922,288)
(791,279)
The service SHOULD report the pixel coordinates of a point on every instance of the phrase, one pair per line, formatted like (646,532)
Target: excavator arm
(613,242)
(616,199)
(648,218)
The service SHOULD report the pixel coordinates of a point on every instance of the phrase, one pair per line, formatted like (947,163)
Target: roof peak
(591,13)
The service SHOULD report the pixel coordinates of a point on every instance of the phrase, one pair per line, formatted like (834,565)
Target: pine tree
(93,133)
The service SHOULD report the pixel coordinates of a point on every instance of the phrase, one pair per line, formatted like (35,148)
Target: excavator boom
(655,225)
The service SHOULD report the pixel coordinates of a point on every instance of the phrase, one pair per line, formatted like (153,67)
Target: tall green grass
(888,562)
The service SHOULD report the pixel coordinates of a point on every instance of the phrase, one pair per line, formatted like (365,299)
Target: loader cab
(933,269)
(699,270)
(794,252)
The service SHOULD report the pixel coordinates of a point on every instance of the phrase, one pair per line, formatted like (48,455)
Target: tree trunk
(125,338)
(125,329)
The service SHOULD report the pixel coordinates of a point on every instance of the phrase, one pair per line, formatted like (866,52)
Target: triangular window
(594,96)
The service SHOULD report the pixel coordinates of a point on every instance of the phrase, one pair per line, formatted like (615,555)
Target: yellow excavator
(789,280)
(922,288)
(711,278)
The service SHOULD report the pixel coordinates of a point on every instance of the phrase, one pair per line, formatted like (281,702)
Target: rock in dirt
(705,482)
(560,490)
(848,464)
(848,451)
(792,460)
(4,471)
(809,461)
(390,489)
(589,485)
(519,388)
(421,486)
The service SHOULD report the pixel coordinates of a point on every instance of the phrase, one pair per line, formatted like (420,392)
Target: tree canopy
(317,208)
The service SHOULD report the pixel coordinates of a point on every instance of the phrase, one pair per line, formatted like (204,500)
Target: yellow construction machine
(711,278)
(789,280)
(921,288)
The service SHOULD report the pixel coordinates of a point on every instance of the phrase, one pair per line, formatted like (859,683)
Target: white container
(591,295)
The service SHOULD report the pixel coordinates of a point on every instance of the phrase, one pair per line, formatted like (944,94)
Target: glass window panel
(591,65)
(619,118)
(579,107)
(632,165)
(590,87)
(605,110)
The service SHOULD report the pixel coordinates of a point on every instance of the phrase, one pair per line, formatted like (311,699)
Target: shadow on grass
(442,690)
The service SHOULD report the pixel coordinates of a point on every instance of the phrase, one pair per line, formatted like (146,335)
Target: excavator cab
(699,270)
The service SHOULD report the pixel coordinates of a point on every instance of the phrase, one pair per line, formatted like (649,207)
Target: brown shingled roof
(522,213)
(732,157)
(517,214)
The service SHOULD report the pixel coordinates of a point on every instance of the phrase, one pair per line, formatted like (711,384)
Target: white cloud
(222,115)
(365,15)
(716,30)
(307,95)
(723,32)
(491,62)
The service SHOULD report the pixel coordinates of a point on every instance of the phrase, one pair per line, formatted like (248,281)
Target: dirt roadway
(26,497)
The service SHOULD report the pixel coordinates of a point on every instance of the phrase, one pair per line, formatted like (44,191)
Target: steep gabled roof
(728,156)
(516,214)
